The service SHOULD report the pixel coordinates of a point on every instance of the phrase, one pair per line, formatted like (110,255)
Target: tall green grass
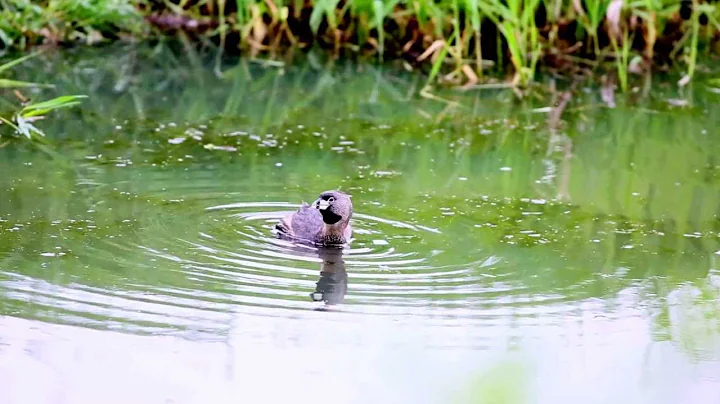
(451,37)
(24,23)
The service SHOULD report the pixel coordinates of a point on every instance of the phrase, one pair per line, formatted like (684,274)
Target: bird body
(325,222)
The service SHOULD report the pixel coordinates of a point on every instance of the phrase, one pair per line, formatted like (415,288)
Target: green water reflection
(156,218)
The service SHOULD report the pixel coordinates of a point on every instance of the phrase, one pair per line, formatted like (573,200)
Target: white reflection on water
(374,359)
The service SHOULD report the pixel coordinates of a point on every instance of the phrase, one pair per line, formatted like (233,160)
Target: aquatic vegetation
(21,120)
(486,225)
(455,42)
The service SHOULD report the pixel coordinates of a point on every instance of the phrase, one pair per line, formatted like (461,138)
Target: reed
(455,41)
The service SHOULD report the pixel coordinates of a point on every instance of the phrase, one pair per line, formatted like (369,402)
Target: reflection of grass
(640,184)
(690,317)
(505,382)
(625,162)
(54,210)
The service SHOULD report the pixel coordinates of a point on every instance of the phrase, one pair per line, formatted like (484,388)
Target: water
(496,258)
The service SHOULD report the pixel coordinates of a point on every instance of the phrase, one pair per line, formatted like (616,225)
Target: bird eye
(331,199)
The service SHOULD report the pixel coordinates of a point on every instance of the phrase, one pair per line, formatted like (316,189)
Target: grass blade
(44,107)
(17,61)
(7,83)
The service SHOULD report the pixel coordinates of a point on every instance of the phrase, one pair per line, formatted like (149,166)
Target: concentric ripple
(277,273)
(190,265)
(186,252)
(193,274)
(378,273)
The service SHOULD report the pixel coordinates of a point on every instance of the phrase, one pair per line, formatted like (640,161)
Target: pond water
(496,258)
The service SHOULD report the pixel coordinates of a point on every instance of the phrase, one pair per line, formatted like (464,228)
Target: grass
(25,23)
(21,120)
(455,41)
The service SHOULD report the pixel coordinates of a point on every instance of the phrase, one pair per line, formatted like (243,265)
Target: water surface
(497,258)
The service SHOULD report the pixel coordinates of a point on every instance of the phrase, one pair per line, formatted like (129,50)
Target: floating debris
(211,146)
(676,102)
(236,133)
(386,173)
(51,254)
(194,133)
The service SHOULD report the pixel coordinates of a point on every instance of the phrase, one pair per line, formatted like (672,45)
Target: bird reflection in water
(332,285)
(325,225)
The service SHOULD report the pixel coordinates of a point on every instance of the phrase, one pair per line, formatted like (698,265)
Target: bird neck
(333,233)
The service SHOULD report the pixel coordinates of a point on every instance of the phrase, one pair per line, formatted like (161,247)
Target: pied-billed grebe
(325,222)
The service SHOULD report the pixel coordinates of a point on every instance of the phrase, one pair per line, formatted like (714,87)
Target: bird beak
(321,204)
